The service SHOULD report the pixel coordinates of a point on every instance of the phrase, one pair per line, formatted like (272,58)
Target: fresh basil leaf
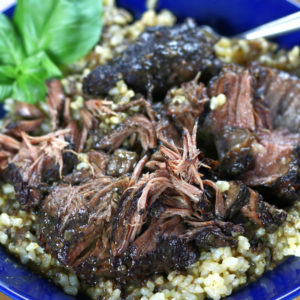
(51,68)
(31,76)
(40,63)
(7,73)
(5,91)
(11,50)
(29,88)
(66,29)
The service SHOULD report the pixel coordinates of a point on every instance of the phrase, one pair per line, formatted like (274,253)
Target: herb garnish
(42,36)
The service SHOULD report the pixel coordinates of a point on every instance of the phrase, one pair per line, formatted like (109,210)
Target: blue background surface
(228,18)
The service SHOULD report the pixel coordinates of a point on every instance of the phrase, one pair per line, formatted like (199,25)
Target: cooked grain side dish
(164,165)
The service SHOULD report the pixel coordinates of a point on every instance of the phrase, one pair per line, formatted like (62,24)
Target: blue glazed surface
(227,17)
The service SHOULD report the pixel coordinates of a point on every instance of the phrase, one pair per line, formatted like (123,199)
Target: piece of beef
(160,58)
(159,249)
(165,234)
(74,223)
(280,92)
(248,148)
(137,124)
(237,84)
(264,159)
(121,162)
(186,107)
(39,162)
(27,111)
(211,234)
(276,165)
(243,202)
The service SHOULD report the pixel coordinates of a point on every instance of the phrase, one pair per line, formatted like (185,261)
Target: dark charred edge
(27,196)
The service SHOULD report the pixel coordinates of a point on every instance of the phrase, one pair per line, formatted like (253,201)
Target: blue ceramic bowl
(227,17)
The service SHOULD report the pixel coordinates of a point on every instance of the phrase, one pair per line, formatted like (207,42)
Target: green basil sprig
(42,36)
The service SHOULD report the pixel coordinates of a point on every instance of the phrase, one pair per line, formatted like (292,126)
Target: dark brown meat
(273,152)
(158,249)
(241,201)
(121,162)
(262,159)
(237,85)
(276,165)
(190,106)
(248,148)
(39,161)
(214,234)
(160,58)
(74,223)
(138,124)
(280,92)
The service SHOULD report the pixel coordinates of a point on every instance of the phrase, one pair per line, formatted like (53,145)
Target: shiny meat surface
(248,147)
(280,92)
(121,162)
(159,59)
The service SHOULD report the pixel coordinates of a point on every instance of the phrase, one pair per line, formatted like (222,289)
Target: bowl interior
(228,18)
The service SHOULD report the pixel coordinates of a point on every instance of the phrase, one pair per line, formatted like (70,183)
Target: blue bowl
(227,17)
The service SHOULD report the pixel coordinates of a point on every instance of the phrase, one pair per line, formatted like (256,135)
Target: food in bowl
(163,165)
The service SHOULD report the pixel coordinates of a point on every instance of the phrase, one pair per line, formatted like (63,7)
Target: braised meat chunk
(159,249)
(280,92)
(249,148)
(39,161)
(74,223)
(160,58)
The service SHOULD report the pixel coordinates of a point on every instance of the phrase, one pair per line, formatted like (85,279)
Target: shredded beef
(186,110)
(137,124)
(130,228)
